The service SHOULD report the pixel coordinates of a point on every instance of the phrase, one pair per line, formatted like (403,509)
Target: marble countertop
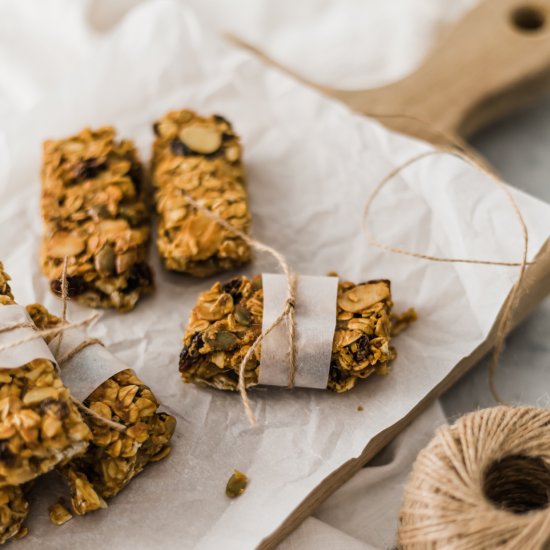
(519,148)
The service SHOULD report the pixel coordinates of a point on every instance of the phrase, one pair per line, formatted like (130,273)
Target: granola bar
(228,319)
(199,157)
(14,509)
(40,427)
(95,213)
(114,457)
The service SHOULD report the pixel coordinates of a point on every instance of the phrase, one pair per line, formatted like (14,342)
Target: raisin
(220,118)
(88,169)
(140,276)
(362,352)
(336,375)
(233,287)
(75,286)
(5,453)
(190,353)
(136,175)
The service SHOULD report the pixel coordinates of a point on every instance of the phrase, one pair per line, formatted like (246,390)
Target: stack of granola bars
(96,204)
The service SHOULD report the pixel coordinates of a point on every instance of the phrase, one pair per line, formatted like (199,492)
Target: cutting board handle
(493,61)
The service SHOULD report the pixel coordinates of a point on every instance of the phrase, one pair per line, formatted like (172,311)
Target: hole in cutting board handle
(528,18)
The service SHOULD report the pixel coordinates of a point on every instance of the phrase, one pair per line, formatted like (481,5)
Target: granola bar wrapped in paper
(228,319)
(40,426)
(14,509)
(95,213)
(200,157)
(114,456)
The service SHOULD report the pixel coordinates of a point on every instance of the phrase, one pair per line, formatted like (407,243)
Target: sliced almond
(363,296)
(201,139)
(6,430)
(212,311)
(344,338)
(112,228)
(65,244)
(200,237)
(39,394)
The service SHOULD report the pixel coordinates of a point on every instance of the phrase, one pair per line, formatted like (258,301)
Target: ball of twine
(482,483)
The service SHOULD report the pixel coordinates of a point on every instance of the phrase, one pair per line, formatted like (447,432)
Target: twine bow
(512,301)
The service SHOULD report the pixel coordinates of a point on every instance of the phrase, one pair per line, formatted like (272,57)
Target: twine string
(44,333)
(65,300)
(467,158)
(511,303)
(53,332)
(15,326)
(286,314)
(76,350)
(291,324)
(96,416)
(481,483)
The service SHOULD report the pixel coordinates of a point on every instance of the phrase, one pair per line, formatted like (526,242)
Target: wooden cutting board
(492,62)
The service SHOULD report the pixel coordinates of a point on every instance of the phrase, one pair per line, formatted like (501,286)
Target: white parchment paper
(311,164)
(89,368)
(314,321)
(26,351)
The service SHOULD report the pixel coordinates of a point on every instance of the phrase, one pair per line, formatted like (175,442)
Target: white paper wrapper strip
(21,354)
(87,369)
(315,321)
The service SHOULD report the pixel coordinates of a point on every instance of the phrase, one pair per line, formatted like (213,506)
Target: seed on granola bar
(95,213)
(199,157)
(227,319)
